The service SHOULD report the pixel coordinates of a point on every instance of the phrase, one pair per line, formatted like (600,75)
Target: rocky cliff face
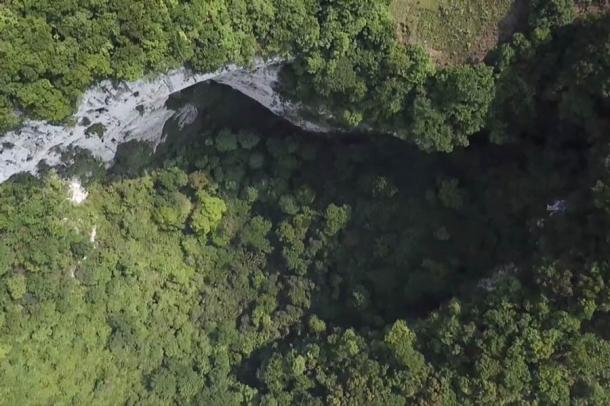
(114,113)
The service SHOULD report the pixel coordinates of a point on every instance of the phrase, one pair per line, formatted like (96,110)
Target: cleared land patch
(456,31)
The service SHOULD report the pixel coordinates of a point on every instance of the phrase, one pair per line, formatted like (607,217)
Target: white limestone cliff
(114,113)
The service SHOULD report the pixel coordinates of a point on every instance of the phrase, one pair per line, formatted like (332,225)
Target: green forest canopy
(241,267)
(347,60)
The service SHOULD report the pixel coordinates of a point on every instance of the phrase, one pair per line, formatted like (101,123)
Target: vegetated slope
(52,50)
(457,32)
(278,268)
(347,62)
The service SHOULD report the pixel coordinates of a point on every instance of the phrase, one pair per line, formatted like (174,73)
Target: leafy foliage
(50,51)
(347,63)
(273,268)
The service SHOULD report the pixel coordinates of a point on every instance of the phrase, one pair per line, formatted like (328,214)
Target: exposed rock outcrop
(114,113)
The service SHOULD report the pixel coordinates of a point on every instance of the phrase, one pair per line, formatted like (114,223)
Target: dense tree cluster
(346,59)
(264,265)
(51,51)
(359,74)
